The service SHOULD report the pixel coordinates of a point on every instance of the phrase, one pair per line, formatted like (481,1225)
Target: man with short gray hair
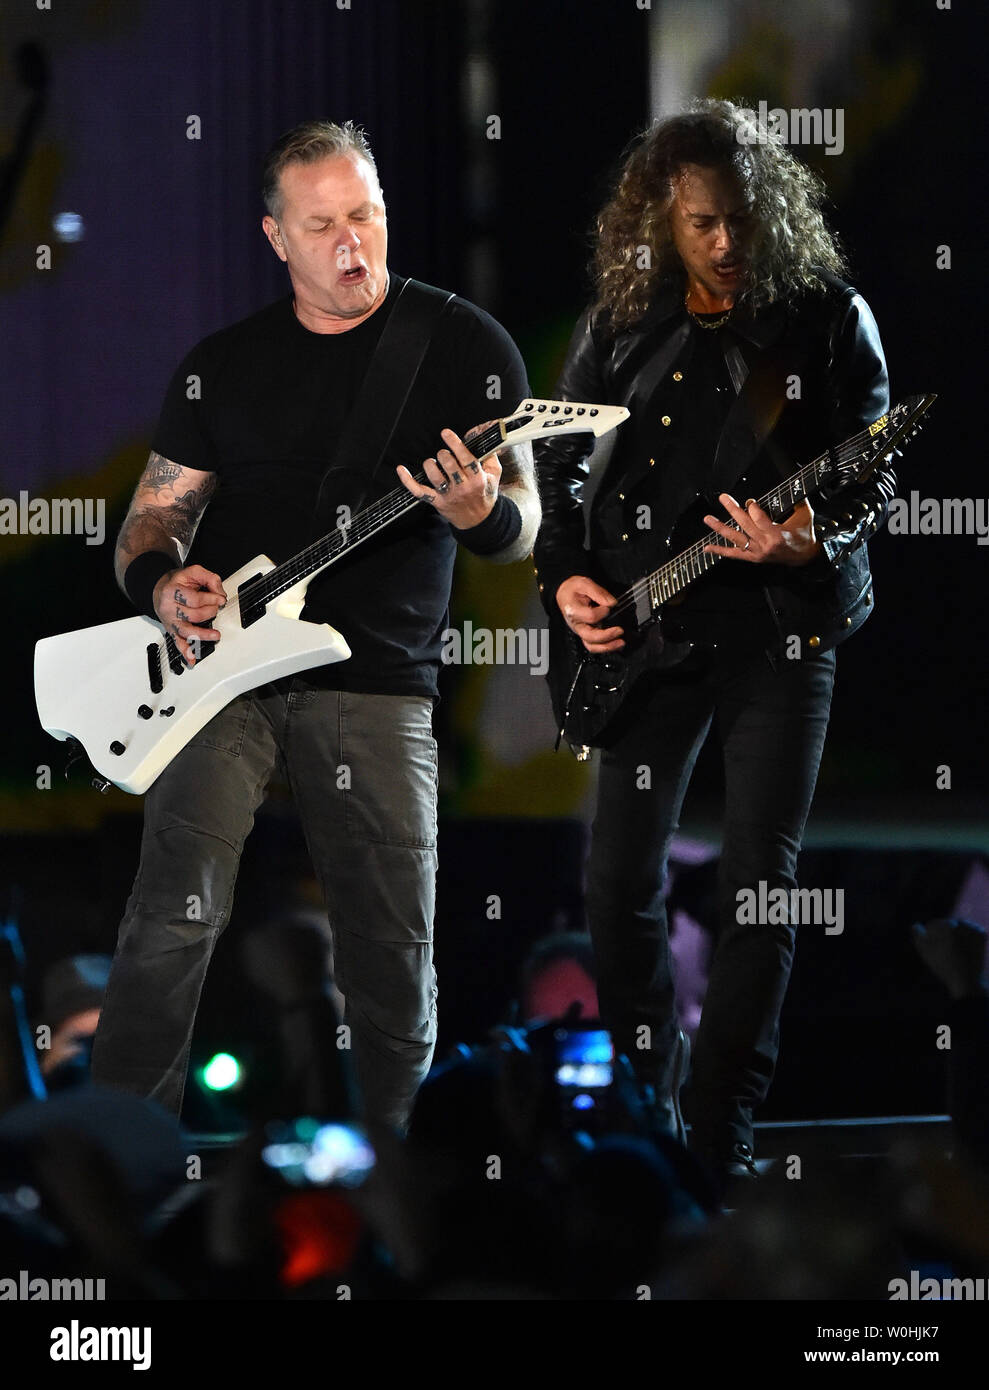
(235,472)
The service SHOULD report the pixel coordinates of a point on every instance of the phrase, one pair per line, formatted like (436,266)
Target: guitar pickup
(155,678)
(201,650)
(175,663)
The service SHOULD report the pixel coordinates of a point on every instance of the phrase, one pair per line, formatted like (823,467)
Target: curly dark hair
(790,241)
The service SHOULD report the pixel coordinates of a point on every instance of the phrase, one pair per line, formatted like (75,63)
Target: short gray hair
(307,144)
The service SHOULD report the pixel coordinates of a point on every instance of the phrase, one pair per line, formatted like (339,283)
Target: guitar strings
(265,587)
(321,553)
(327,548)
(674,576)
(259,590)
(379,514)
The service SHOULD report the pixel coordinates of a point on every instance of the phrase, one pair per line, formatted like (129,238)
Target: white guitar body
(124,693)
(92,684)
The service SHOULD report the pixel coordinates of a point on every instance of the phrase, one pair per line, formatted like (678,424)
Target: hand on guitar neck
(755,537)
(581,602)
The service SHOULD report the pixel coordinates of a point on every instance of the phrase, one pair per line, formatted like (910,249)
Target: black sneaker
(736,1175)
(741,1163)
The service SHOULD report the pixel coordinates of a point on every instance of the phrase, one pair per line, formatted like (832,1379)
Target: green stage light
(222,1072)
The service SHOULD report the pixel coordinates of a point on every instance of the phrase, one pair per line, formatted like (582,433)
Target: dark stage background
(95,108)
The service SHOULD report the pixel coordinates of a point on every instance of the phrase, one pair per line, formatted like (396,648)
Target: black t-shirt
(269,401)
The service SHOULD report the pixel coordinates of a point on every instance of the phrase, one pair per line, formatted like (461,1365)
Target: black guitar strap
(384,391)
(760,396)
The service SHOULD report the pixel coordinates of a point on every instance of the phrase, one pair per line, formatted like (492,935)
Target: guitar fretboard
(257,593)
(848,461)
(674,576)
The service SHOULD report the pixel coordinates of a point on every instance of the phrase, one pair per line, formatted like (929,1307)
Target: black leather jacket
(829,343)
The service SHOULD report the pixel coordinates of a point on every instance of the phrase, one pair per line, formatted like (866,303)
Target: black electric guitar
(588,691)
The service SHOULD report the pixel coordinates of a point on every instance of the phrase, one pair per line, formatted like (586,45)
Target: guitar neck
(674,576)
(532,420)
(342,539)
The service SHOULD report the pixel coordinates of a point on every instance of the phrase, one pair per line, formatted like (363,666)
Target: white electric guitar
(122,689)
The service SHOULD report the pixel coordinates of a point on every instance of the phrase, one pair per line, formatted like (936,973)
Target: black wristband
(141,576)
(498,529)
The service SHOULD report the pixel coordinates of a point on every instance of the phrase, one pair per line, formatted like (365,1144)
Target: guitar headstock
(854,461)
(536,419)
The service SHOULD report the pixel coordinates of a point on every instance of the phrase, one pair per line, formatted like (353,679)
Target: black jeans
(363,774)
(771,724)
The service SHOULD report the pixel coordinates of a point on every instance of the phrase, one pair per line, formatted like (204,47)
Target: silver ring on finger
(442,487)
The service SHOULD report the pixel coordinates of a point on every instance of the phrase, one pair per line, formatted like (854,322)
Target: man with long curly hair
(721,320)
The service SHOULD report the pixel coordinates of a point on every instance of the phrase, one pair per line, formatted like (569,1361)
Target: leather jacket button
(666,420)
(678,376)
(848,622)
(624,535)
(813,641)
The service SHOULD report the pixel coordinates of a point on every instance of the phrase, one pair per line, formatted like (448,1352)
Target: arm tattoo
(182,516)
(166,522)
(159,473)
(518,481)
(517,467)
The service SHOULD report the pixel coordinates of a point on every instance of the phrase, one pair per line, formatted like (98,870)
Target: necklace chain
(700,322)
